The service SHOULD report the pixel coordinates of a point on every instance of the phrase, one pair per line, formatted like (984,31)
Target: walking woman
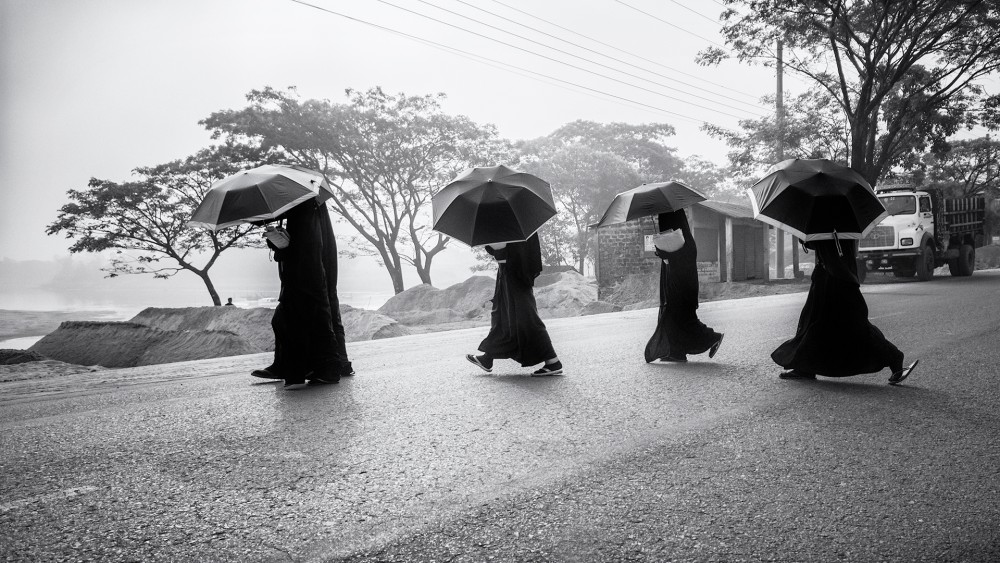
(309,340)
(834,337)
(516,331)
(679,332)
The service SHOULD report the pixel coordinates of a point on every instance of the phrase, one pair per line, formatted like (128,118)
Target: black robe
(516,331)
(834,336)
(308,330)
(678,330)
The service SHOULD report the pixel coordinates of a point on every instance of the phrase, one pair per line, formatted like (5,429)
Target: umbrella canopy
(816,199)
(492,205)
(258,194)
(649,199)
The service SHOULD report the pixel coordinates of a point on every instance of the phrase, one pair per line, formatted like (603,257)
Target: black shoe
(715,347)
(324,376)
(796,374)
(555,368)
(678,359)
(270,372)
(481,361)
(897,377)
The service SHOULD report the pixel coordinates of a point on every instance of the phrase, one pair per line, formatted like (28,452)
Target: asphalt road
(421,457)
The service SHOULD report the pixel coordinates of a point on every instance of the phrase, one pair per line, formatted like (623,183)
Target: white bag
(669,241)
(277,235)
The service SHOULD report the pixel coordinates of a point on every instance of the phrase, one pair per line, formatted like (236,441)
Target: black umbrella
(258,194)
(492,205)
(816,199)
(649,199)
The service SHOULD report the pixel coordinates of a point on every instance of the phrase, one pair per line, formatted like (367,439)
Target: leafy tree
(970,167)
(642,146)
(149,216)
(385,155)
(814,127)
(584,181)
(903,72)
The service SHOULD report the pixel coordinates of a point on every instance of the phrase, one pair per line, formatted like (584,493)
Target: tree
(385,155)
(968,168)
(150,214)
(642,146)
(814,127)
(902,71)
(584,181)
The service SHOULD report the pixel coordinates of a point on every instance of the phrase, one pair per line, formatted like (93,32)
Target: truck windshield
(900,204)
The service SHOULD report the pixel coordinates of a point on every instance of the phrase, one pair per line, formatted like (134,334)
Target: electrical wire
(481,58)
(756,108)
(695,12)
(577,67)
(631,54)
(677,27)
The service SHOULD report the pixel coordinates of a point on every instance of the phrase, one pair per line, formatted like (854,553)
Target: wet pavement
(422,457)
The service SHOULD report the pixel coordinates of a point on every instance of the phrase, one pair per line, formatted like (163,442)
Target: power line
(631,54)
(695,12)
(519,48)
(677,27)
(755,107)
(481,58)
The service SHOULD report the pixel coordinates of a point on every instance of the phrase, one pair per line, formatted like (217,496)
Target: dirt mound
(253,325)
(10,357)
(128,344)
(565,296)
(425,304)
(362,324)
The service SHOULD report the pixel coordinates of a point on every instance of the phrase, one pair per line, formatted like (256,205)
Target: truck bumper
(878,259)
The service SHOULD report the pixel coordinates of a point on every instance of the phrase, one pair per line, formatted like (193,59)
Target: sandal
(897,377)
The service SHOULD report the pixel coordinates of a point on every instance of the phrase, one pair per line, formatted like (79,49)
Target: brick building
(720,229)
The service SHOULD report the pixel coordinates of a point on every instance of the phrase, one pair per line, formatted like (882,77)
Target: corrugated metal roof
(728,209)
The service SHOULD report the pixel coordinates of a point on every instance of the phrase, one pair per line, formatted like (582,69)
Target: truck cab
(923,231)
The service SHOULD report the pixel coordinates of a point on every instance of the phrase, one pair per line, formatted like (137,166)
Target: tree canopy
(145,220)
(385,155)
(904,72)
(968,168)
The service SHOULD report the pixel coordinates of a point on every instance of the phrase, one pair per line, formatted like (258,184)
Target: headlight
(906,242)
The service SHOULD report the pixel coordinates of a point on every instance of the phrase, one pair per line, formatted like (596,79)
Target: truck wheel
(966,260)
(954,268)
(925,263)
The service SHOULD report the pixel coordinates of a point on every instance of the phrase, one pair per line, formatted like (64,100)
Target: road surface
(421,457)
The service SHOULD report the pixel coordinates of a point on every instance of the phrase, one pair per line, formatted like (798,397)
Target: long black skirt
(678,334)
(516,330)
(834,336)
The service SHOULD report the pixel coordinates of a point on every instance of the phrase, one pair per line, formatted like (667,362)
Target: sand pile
(127,344)
(253,325)
(425,304)
(565,296)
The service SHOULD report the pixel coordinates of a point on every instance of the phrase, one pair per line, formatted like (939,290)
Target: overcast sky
(95,88)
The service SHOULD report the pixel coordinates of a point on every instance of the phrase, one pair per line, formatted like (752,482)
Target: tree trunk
(424,271)
(211,287)
(396,275)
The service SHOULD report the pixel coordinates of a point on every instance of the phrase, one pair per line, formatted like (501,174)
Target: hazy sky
(95,88)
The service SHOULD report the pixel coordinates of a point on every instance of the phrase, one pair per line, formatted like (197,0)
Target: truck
(924,230)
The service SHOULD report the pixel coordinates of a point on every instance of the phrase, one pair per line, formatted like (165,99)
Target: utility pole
(779,246)
(779,102)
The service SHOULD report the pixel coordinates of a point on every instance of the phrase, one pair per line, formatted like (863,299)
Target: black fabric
(834,336)
(308,331)
(678,330)
(516,330)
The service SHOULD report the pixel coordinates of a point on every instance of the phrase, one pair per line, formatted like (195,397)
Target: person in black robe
(516,331)
(679,332)
(834,337)
(309,340)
